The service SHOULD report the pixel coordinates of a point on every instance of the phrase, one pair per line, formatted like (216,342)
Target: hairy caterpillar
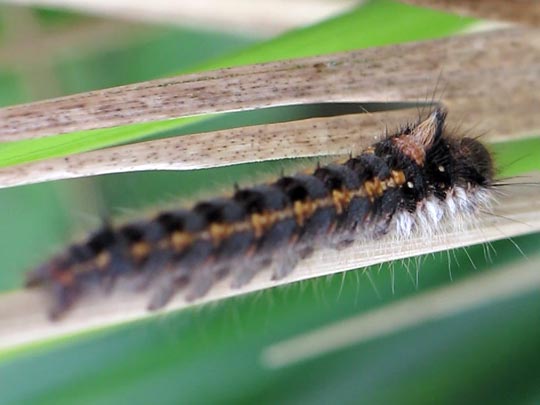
(413,180)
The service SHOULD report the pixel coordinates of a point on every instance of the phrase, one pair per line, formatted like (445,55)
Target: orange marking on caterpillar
(373,188)
(103,260)
(398,176)
(261,222)
(303,210)
(140,250)
(370,150)
(341,199)
(180,240)
(219,232)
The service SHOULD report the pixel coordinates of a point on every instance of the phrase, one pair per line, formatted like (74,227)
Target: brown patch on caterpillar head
(415,141)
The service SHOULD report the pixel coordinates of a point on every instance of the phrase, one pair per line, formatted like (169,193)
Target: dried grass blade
(520,11)
(23,319)
(327,136)
(471,69)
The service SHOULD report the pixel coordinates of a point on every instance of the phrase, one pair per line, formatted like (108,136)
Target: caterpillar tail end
(63,296)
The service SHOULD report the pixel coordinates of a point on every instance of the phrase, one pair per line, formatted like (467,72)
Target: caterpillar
(414,180)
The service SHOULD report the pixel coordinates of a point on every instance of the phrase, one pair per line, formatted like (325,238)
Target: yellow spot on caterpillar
(398,176)
(180,240)
(303,210)
(140,250)
(218,232)
(261,222)
(369,150)
(374,188)
(341,199)
(103,260)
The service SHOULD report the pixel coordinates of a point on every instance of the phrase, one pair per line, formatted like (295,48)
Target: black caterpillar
(408,182)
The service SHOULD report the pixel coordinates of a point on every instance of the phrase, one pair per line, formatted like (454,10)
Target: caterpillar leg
(169,285)
(245,272)
(203,280)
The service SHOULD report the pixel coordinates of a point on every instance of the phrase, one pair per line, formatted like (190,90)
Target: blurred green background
(212,354)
